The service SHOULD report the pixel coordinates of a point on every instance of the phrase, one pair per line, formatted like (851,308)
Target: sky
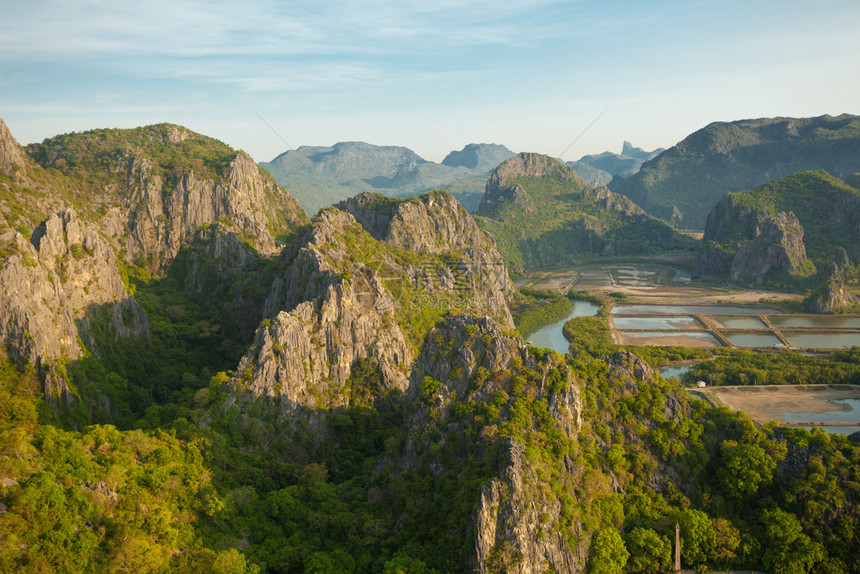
(564,78)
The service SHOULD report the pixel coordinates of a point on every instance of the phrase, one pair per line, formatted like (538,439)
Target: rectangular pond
(823,340)
(669,339)
(829,322)
(842,411)
(692,310)
(741,323)
(675,371)
(644,323)
(749,340)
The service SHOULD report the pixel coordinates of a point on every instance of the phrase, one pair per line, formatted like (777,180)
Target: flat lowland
(650,282)
(764,404)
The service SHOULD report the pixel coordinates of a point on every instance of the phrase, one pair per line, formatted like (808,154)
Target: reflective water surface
(551,335)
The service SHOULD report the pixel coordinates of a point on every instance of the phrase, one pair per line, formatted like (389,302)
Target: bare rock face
(361,288)
(832,297)
(434,224)
(162,214)
(749,245)
(11,156)
(304,357)
(47,289)
(512,534)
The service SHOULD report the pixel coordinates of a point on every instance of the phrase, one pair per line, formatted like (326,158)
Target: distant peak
(629,150)
(480,156)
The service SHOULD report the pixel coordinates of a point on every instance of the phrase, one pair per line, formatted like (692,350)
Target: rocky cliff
(49,287)
(467,363)
(832,296)
(11,156)
(367,281)
(80,210)
(761,244)
(783,230)
(151,189)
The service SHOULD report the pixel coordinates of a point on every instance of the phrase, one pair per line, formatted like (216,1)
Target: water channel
(551,336)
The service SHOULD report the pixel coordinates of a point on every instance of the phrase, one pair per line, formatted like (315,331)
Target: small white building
(701,384)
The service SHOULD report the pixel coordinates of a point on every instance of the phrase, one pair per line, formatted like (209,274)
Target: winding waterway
(551,336)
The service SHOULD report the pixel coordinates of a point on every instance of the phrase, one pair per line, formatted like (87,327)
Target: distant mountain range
(609,168)
(322,176)
(684,183)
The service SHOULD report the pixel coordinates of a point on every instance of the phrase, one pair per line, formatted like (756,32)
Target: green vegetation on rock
(541,214)
(684,183)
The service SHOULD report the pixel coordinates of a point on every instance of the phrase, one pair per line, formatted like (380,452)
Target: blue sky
(432,76)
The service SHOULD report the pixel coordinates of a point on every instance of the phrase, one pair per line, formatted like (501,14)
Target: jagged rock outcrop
(50,287)
(746,244)
(434,224)
(832,297)
(164,213)
(11,156)
(352,292)
(141,195)
(151,189)
(511,525)
(304,358)
(468,361)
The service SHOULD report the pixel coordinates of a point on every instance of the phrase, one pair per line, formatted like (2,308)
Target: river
(551,336)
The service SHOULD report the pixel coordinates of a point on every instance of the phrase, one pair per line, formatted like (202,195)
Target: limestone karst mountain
(787,227)
(80,211)
(239,388)
(543,214)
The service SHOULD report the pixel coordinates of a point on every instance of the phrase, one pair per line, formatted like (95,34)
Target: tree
(608,554)
(745,468)
(787,550)
(698,539)
(649,552)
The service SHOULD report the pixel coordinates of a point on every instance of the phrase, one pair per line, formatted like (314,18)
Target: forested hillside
(541,214)
(798,232)
(684,183)
(320,176)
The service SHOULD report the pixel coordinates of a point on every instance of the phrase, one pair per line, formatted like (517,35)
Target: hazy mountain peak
(629,150)
(478,156)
